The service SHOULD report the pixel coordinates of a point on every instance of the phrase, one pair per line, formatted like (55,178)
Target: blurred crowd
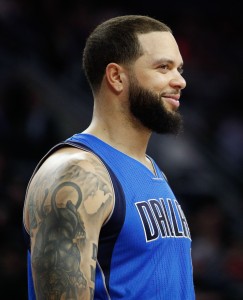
(44,98)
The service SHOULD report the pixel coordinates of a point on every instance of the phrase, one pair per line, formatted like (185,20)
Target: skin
(62,203)
(63,199)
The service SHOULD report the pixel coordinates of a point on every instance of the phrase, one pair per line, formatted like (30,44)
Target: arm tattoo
(60,233)
(56,256)
(92,270)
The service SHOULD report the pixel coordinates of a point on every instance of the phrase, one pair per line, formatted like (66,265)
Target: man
(102,220)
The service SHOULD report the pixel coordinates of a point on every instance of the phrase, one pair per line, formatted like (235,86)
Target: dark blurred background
(44,98)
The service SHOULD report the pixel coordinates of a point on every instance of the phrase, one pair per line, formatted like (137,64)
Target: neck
(112,123)
(121,135)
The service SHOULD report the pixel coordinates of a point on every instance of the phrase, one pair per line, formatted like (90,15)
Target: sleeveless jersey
(144,249)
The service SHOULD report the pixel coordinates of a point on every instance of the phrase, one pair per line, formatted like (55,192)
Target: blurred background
(44,98)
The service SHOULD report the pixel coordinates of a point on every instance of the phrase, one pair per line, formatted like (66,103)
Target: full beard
(148,108)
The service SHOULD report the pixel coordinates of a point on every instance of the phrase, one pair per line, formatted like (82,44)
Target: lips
(172,100)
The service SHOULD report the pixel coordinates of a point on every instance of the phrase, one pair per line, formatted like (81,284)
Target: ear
(114,76)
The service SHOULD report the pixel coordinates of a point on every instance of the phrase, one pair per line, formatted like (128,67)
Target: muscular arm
(67,202)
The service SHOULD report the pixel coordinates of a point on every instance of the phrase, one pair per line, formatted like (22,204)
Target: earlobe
(113,77)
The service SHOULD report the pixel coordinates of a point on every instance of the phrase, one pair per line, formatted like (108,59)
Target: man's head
(150,65)
(116,40)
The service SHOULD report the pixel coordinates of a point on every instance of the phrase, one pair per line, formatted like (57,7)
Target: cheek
(155,82)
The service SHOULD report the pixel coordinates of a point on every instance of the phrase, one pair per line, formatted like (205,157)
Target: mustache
(177,93)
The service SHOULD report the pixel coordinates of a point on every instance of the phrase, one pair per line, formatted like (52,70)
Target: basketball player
(101,219)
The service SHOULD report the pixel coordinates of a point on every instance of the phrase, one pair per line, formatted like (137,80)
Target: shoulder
(71,177)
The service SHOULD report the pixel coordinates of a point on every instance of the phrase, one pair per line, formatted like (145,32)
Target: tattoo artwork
(92,271)
(60,233)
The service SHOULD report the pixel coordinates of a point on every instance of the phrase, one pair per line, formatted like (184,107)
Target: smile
(172,101)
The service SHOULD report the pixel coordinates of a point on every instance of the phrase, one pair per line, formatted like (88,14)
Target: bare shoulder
(74,177)
(67,202)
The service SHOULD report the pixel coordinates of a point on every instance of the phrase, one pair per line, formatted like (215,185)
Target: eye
(164,67)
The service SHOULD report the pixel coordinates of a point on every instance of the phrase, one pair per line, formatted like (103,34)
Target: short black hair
(115,40)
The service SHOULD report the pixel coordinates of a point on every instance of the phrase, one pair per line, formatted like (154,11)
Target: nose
(178,81)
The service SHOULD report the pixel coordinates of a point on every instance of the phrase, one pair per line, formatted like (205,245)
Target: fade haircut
(116,40)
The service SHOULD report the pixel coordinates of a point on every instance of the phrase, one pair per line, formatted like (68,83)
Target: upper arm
(68,200)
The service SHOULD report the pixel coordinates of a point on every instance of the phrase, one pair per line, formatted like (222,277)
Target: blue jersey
(144,249)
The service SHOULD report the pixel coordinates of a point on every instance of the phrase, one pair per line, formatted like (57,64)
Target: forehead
(157,45)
